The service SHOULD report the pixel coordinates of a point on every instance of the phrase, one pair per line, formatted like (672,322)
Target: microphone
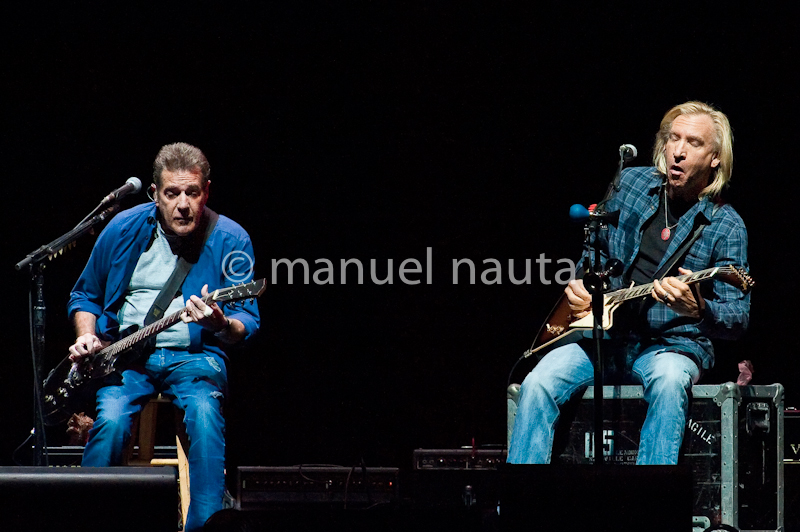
(627,152)
(132,185)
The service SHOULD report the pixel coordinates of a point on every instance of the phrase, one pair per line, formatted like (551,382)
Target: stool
(143,433)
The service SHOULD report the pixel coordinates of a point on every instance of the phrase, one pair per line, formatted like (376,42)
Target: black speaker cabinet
(573,498)
(72,499)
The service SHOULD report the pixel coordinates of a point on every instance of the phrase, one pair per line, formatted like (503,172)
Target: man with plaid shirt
(663,343)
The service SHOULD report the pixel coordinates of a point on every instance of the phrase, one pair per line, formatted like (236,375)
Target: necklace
(667,231)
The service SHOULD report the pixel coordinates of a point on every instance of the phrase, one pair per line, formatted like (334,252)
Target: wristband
(226,328)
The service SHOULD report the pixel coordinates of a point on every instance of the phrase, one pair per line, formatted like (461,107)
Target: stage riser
(733,445)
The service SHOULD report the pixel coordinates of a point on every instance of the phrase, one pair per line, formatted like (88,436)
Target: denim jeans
(566,371)
(197,383)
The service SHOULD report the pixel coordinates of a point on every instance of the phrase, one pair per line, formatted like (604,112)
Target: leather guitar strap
(667,267)
(660,274)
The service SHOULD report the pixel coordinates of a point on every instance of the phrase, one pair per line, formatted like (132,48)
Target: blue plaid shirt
(722,242)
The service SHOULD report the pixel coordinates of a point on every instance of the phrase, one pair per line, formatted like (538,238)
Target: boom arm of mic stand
(613,187)
(66,239)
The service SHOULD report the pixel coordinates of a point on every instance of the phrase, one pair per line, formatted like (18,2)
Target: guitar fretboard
(144,333)
(625,294)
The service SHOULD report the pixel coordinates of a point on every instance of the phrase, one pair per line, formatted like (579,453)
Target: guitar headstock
(250,290)
(737,276)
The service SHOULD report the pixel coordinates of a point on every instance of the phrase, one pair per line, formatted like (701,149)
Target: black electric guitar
(561,328)
(65,387)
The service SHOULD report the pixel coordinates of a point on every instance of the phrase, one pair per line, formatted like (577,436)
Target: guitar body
(561,328)
(71,385)
(64,396)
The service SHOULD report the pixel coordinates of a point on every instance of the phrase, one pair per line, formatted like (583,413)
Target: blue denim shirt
(101,287)
(722,242)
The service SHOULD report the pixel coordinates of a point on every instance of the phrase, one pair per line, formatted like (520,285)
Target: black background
(373,130)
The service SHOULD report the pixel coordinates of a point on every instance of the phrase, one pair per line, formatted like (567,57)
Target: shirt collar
(705,206)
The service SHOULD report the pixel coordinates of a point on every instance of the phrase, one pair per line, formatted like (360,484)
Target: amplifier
(458,459)
(463,482)
(71,455)
(264,487)
(65,455)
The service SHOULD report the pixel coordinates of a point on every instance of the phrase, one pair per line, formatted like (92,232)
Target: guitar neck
(146,332)
(625,294)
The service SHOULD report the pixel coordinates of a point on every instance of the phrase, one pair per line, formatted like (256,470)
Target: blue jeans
(565,372)
(197,384)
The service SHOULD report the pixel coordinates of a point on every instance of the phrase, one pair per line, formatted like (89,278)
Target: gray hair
(180,156)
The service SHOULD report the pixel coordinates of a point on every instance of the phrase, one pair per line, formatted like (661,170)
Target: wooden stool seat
(143,440)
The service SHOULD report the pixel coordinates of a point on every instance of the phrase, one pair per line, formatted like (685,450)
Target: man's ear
(151,192)
(715,161)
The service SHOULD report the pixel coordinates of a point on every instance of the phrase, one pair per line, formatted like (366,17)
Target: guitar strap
(666,268)
(173,284)
(660,274)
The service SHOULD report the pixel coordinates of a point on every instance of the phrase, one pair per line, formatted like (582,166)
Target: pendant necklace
(667,231)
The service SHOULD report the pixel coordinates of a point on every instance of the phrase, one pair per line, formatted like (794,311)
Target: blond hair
(723,144)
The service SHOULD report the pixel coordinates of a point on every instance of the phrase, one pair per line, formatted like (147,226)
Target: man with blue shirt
(132,261)
(664,344)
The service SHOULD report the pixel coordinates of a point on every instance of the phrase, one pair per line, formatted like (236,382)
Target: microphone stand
(597,280)
(35,262)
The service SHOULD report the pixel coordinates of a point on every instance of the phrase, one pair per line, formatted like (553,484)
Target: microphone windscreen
(578,213)
(137,184)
